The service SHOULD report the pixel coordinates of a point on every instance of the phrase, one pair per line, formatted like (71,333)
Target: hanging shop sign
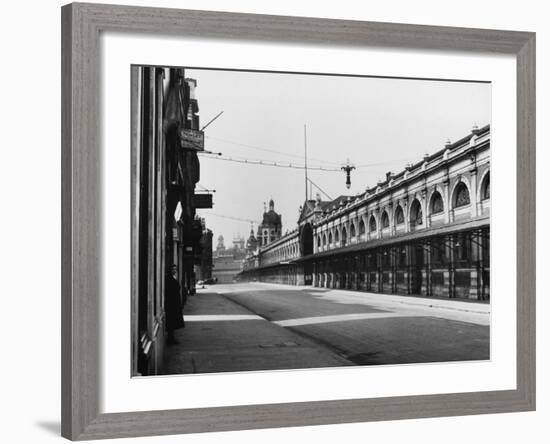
(202,200)
(191,139)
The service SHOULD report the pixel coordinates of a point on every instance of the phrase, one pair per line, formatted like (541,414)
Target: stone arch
(330,239)
(352,232)
(385,220)
(485,186)
(344,237)
(361,227)
(461,195)
(399,216)
(415,213)
(336,235)
(372,224)
(437,205)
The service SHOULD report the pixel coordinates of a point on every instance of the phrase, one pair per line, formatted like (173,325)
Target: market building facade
(423,231)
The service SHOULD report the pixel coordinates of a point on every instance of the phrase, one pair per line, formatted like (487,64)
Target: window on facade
(330,238)
(439,254)
(401,256)
(416,213)
(336,235)
(462,247)
(352,229)
(385,220)
(399,216)
(344,236)
(386,258)
(324,239)
(462,195)
(319,241)
(437,203)
(372,224)
(361,227)
(485,188)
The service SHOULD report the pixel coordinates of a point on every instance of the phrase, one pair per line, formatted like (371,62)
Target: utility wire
(292,165)
(255,147)
(231,217)
(320,189)
(389,162)
(271,163)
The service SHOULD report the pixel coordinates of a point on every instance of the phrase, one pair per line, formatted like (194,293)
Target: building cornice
(390,186)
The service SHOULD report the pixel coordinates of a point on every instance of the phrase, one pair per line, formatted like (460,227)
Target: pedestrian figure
(173,305)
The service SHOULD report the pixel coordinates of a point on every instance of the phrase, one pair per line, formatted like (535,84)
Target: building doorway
(306,240)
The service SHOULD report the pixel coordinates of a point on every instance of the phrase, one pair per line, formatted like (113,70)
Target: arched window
(485,188)
(336,235)
(344,236)
(416,213)
(318,241)
(399,216)
(462,195)
(324,239)
(361,227)
(436,206)
(330,238)
(385,220)
(372,224)
(352,229)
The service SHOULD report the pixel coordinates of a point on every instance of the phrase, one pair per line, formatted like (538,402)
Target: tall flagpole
(305,158)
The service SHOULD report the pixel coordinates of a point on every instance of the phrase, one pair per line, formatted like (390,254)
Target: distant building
(204,264)
(251,243)
(227,263)
(271,227)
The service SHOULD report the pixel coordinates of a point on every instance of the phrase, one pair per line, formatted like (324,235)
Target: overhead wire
(241,219)
(268,150)
(282,164)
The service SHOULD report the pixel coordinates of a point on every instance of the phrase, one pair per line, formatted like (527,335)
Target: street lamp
(348,169)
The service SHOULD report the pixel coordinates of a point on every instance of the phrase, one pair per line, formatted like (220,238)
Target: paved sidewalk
(221,335)
(448,304)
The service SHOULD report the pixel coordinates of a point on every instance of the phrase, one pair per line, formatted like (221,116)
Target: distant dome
(271,218)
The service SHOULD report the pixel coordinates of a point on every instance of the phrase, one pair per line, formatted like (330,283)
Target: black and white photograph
(287,221)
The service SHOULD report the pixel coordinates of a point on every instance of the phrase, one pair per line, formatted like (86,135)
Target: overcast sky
(381,123)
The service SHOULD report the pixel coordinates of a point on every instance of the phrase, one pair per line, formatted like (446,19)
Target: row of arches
(436,206)
(283,252)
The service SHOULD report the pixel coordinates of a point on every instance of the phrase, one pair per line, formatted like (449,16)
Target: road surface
(255,326)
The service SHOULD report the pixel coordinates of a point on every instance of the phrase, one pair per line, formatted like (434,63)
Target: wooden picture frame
(81,175)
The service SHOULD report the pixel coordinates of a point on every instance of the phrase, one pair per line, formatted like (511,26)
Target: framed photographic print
(279,221)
